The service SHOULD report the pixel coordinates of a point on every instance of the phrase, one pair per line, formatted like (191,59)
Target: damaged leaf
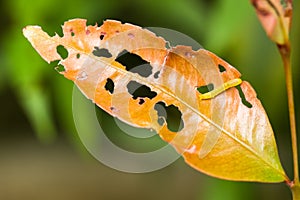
(127,71)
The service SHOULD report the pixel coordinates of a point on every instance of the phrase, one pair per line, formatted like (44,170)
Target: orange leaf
(275,17)
(226,136)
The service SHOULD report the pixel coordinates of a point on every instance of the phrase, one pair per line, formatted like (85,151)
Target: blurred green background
(41,156)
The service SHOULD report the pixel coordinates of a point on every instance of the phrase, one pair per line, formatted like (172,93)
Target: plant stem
(296,192)
(286,57)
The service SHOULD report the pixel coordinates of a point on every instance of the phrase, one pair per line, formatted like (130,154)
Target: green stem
(286,57)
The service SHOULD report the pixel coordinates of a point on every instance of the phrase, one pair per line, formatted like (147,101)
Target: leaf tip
(29,30)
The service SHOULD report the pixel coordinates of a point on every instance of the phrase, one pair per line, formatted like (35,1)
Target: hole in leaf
(156,75)
(138,90)
(205,88)
(141,101)
(101,36)
(60,68)
(221,68)
(54,63)
(110,86)
(143,70)
(161,121)
(243,98)
(62,51)
(101,52)
(78,55)
(72,34)
(170,114)
(134,63)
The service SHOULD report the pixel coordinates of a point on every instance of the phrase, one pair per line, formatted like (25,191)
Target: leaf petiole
(286,58)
